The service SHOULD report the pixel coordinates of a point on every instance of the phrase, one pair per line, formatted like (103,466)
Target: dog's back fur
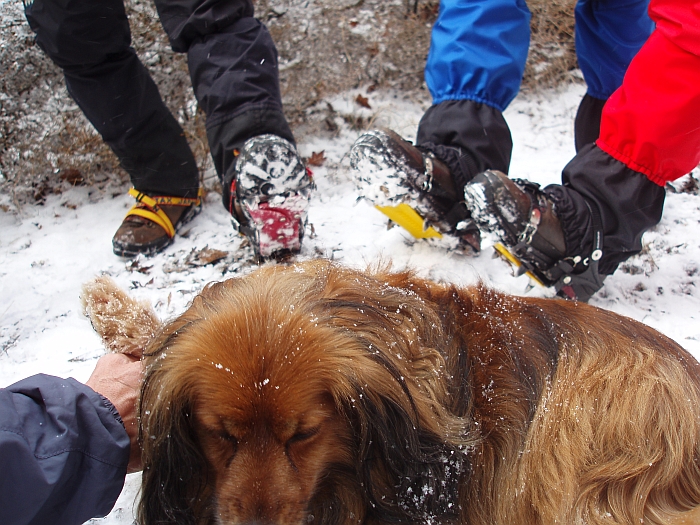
(586,416)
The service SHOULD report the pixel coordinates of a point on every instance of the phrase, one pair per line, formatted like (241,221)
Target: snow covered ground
(48,251)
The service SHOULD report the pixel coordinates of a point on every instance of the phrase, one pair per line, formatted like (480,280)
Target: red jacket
(652,122)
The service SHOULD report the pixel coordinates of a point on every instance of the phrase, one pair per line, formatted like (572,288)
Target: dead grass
(552,56)
(325,47)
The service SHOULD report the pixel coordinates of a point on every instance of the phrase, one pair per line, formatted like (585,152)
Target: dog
(318,394)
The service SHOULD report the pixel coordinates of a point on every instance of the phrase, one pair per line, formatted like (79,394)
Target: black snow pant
(482,136)
(472,137)
(233,67)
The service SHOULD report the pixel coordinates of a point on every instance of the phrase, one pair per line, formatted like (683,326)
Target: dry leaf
(363,101)
(316,158)
(138,265)
(206,256)
(72,176)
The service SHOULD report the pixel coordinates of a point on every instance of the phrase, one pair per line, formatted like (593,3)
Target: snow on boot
(525,220)
(412,187)
(271,192)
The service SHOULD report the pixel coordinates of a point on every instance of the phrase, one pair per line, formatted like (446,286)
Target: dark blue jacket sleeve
(63,453)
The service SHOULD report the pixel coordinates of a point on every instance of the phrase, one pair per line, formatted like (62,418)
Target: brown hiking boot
(525,220)
(391,171)
(517,216)
(150,226)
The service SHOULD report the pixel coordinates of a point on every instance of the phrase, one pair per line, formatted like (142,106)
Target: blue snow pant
(232,62)
(477,58)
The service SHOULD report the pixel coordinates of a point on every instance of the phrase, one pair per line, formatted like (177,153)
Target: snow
(47,252)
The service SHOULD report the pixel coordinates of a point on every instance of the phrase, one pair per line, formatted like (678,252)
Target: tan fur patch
(124,324)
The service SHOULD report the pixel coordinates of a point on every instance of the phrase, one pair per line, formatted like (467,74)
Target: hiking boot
(270,196)
(150,226)
(525,220)
(412,187)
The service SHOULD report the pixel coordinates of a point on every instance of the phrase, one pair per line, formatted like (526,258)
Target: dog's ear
(411,447)
(174,485)
(409,472)
(124,324)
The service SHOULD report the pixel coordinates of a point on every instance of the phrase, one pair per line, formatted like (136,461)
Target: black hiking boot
(525,219)
(412,187)
(270,196)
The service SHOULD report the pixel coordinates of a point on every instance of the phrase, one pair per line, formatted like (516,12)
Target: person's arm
(64,450)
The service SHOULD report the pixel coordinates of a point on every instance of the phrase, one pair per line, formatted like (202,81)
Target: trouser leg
(628,204)
(587,121)
(90,41)
(608,35)
(233,65)
(474,70)
(470,136)
(478,51)
(648,136)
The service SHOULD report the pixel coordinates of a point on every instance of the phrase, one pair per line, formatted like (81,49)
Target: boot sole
(380,178)
(273,190)
(276,231)
(480,194)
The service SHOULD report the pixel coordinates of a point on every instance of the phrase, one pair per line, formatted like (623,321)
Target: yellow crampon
(149,208)
(512,259)
(410,220)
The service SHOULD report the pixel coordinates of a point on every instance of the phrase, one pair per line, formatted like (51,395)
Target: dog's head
(299,394)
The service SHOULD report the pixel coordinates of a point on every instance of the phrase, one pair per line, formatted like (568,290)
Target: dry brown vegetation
(325,47)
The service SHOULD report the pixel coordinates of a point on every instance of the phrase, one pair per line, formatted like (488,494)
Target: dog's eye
(303,436)
(225,436)
(229,447)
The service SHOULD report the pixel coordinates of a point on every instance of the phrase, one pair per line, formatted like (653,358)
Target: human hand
(118,378)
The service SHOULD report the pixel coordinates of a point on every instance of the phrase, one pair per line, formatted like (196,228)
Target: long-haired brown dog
(315,393)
